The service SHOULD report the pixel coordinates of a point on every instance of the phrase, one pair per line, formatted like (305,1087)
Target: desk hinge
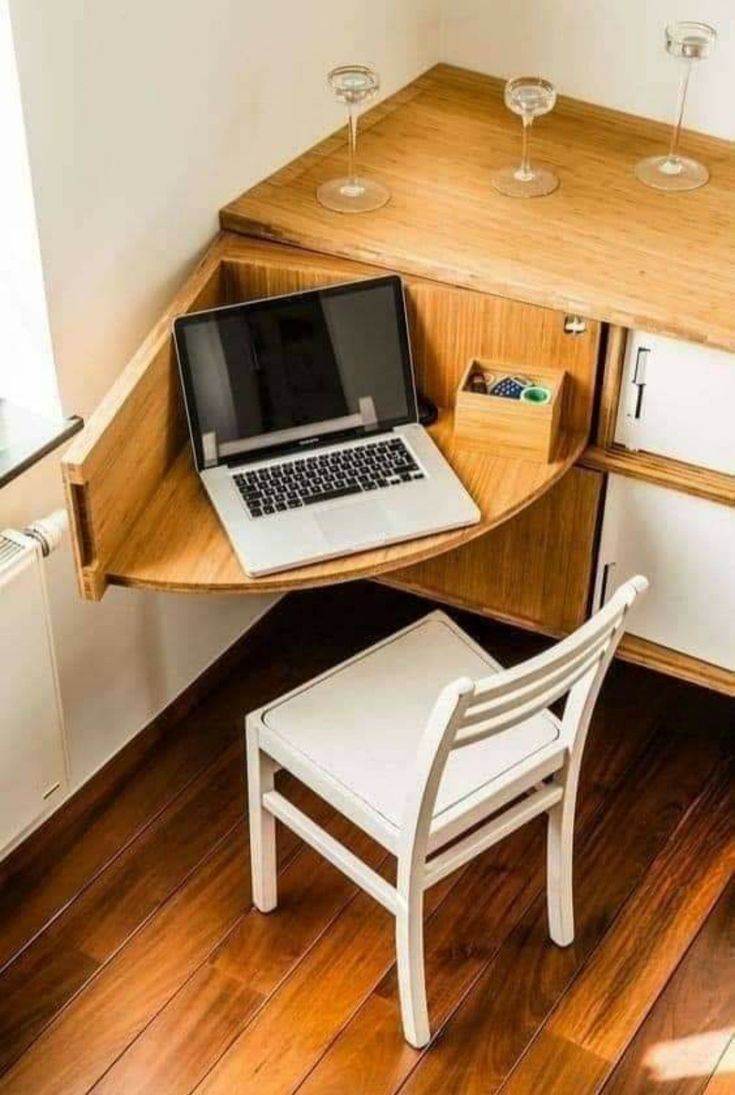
(574,325)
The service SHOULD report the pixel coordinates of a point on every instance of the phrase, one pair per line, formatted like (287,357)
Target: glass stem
(524,172)
(673,157)
(352,145)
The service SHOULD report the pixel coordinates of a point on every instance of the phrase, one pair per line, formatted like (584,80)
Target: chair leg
(411,979)
(559,870)
(261,771)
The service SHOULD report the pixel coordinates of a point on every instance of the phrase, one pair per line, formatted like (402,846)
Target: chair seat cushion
(361,723)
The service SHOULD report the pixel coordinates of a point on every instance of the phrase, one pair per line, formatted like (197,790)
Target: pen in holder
(512,412)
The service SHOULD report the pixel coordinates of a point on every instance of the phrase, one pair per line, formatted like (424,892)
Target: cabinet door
(686,547)
(677,399)
(535,569)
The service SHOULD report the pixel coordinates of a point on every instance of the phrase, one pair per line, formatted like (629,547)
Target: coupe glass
(688,42)
(530,97)
(353,85)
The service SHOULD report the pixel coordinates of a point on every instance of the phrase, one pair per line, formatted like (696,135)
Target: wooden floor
(131,960)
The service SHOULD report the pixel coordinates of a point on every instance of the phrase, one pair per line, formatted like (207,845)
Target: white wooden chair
(420,739)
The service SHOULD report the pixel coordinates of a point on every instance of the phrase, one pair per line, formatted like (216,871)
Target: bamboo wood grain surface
(602,245)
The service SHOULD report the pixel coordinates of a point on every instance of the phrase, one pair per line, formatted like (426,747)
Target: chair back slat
(561,679)
(518,709)
(514,695)
(468,711)
(600,625)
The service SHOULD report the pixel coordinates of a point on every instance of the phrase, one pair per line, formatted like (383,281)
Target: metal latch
(604,583)
(638,380)
(574,325)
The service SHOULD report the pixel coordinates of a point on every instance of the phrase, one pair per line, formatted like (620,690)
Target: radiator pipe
(49,531)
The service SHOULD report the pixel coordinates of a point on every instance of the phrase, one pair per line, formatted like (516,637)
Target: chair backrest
(468,711)
(507,698)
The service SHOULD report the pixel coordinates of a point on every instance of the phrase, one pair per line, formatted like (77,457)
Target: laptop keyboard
(306,480)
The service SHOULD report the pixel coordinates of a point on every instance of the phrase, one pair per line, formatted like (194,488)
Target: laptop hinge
(209,449)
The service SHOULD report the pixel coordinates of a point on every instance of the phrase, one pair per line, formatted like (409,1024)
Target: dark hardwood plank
(314,1003)
(195,1028)
(97,1026)
(142,977)
(472,923)
(81,847)
(493,1026)
(689,1027)
(598,1017)
(56,965)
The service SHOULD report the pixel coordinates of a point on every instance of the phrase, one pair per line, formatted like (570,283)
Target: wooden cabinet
(484,278)
(680,543)
(534,570)
(139,515)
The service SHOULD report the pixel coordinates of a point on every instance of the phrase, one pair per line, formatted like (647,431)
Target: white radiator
(33,763)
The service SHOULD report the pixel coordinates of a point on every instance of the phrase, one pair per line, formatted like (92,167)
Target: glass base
(665,173)
(511,182)
(360,195)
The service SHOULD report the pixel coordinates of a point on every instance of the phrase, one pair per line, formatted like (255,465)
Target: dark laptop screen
(279,374)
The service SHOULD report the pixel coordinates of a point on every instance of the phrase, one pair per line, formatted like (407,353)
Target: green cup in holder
(536,394)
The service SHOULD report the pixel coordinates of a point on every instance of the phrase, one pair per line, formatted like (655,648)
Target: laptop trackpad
(350,526)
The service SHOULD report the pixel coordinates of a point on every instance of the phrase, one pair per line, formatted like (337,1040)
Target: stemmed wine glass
(689,42)
(353,193)
(530,97)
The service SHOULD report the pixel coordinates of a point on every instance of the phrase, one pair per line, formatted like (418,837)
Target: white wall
(143,118)
(606,51)
(27,375)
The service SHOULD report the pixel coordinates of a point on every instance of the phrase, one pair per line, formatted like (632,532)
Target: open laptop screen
(286,372)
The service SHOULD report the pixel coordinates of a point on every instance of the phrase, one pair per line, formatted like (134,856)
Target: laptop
(304,425)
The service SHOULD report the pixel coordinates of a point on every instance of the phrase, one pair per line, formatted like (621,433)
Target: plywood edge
(675,664)
(664,472)
(612,378)
(91,580)
(510,282)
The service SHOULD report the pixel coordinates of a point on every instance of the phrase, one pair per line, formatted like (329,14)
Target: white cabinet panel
(686,548)
(678,400)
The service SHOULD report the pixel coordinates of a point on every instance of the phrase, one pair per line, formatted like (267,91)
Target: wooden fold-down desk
(552,282)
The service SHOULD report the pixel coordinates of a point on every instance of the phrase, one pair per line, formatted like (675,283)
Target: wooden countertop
(603,245)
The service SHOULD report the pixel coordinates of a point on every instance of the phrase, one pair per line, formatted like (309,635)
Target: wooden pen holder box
(510,426)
